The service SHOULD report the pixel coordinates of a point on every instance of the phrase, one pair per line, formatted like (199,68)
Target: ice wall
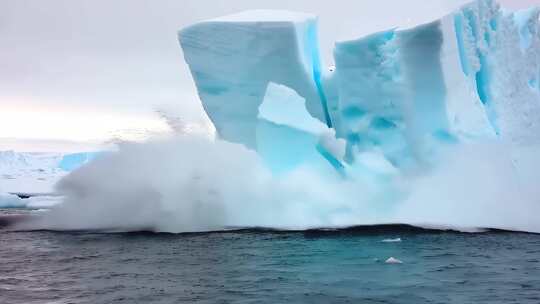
(471,75)
(403,91)
(234,58)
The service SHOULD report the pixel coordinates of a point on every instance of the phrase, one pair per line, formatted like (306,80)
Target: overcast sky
(83,69)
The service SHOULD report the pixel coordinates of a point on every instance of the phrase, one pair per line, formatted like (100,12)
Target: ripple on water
(268,267)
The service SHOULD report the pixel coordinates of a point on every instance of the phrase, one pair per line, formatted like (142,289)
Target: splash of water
(193,183)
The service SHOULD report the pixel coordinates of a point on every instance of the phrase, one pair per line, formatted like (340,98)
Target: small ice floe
(393,260)
(396,240)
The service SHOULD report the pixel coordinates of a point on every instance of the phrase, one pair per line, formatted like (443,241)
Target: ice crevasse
(393,98)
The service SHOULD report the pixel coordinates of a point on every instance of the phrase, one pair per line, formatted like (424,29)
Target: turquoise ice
(401,93)
(70,162)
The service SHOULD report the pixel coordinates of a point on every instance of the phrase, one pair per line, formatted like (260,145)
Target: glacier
(402,93)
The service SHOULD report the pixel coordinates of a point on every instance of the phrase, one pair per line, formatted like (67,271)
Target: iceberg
(433,125)
(8,200)
(401,93)
(73,161)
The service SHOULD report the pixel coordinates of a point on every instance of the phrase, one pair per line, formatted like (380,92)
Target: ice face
(400,94)
(234,58)
(500,55)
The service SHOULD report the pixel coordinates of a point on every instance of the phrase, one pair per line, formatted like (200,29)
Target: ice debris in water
(393,260)
(396,240)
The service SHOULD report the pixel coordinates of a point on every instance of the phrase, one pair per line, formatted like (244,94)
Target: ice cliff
(435,125)
(398,94)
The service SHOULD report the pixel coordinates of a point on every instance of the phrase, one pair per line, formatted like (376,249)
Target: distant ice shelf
(22,172)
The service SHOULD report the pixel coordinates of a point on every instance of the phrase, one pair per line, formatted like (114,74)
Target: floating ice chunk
(393,260)
(396,240)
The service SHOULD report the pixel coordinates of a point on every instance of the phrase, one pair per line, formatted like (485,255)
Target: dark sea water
(257,266)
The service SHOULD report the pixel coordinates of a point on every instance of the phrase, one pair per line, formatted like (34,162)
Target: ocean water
(261,266)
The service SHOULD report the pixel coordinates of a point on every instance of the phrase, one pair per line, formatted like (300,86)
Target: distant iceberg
(36,172)
(70,162)
(10,201)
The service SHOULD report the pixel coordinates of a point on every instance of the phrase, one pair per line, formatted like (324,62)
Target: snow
(265,16)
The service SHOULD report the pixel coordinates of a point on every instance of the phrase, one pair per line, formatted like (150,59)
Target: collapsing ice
(436,124)
(395,96)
